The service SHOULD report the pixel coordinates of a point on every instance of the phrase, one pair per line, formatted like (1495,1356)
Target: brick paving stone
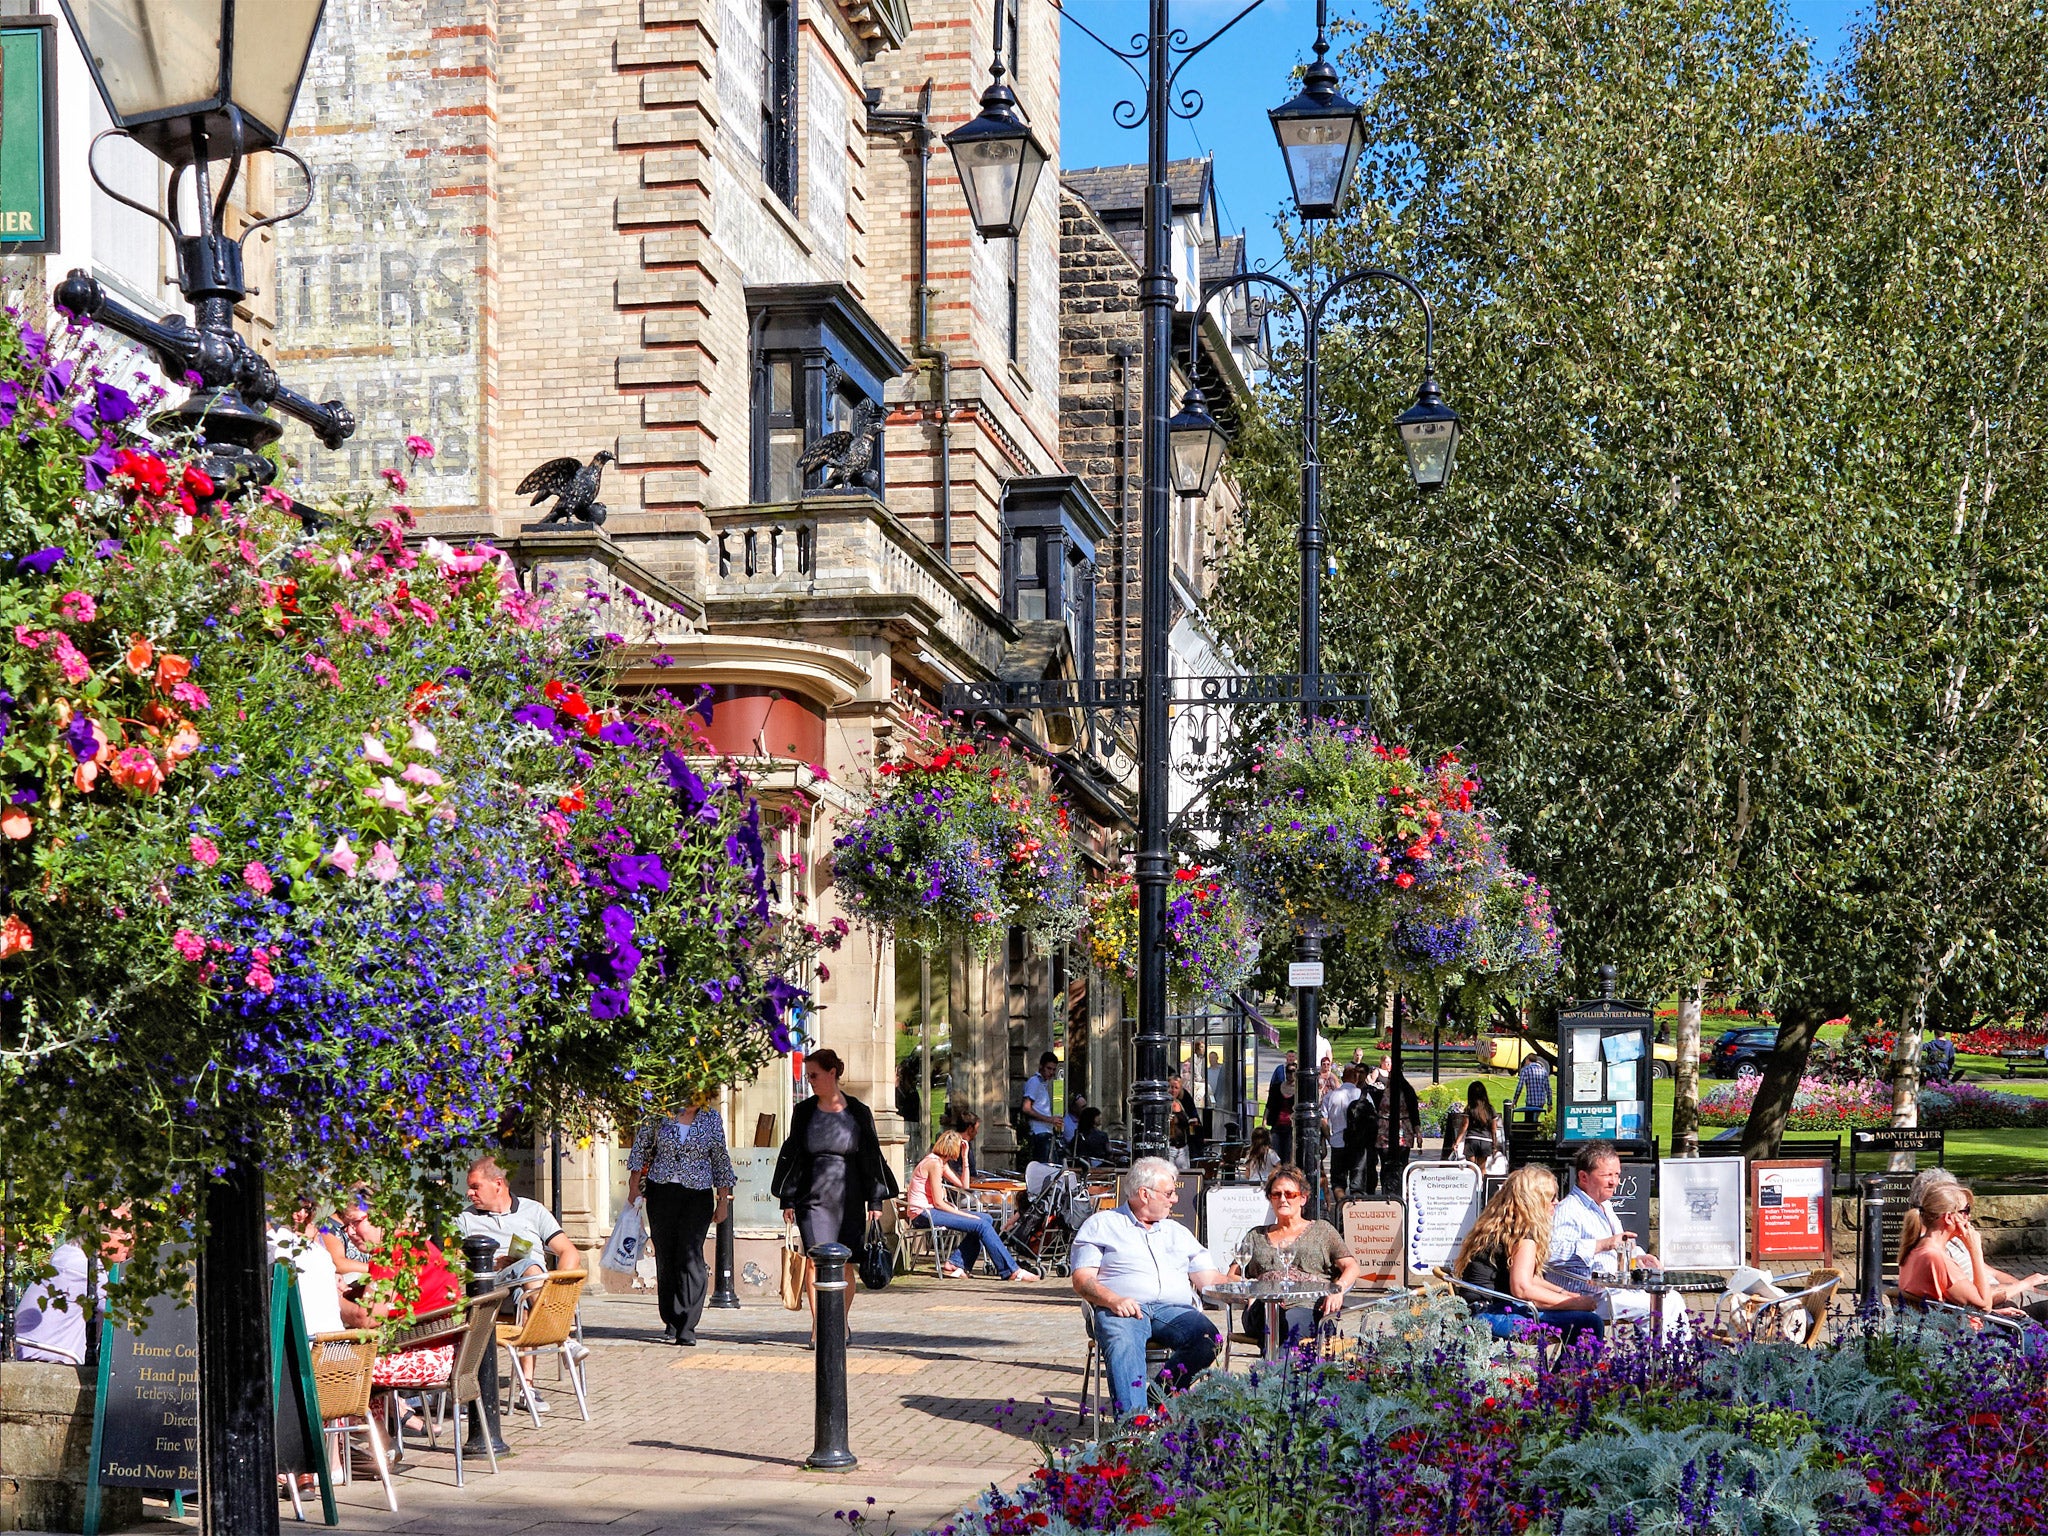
(945,1383)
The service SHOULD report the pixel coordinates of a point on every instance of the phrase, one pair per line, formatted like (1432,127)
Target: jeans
(1508,1325)
(1039,1147)
(1122,1340)
(976,1234)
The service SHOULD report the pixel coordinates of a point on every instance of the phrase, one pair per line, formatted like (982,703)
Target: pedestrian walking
(680,1165)
(830,1174)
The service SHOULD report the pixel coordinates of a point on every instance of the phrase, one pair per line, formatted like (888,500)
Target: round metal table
(1659,1283)
(1274,1295)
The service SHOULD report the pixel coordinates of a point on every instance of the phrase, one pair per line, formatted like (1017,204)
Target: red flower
(146,470)
(423,695)
(196,482)
(569,804)
(555,692)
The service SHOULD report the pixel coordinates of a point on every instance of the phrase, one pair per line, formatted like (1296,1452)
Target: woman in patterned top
(679,1161)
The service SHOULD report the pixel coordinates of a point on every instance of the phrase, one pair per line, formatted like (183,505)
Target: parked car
(1742,1052)
(1506,1053)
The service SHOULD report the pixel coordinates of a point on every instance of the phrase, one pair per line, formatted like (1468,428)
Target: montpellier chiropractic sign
(1442,1201)
(28,135)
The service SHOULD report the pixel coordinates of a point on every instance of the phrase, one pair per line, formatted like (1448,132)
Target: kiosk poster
(1372,1235)
(1606,1066)
(1792,1220)
(1700,1223)
(1442,1201)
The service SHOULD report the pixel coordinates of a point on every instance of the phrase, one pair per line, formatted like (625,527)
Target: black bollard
(723,1295)
(1870,1250)
(830,1453)
(482,1254)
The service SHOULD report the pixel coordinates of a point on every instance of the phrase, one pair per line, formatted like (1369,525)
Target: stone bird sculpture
(573,484)
(845,456)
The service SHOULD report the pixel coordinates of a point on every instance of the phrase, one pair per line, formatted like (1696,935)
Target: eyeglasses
(1291,1196)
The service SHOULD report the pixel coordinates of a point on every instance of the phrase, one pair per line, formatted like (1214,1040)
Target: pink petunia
(383,864)
(257,878)
(387,796)
(343,857)
(78,607)
(374,751)
(422,775)
(423,740)
(419,448)
(188,944)
(204,853)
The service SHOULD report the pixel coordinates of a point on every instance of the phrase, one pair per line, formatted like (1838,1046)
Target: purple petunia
(619,734)
(610,1002)
(41,563)
(80,736)
(633,872)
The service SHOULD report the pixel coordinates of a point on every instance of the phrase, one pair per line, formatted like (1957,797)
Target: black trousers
(1365,1171)
(677,1219)
(1392,1161)
(1341,1159)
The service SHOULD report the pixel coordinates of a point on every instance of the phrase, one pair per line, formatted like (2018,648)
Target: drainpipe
(919,126)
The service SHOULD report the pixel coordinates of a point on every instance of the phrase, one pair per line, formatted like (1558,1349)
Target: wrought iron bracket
(1115,694)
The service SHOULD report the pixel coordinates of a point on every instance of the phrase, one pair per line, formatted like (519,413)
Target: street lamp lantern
(234,66)
(1198,445)
(1320,134)
(998,156)
(1429,431)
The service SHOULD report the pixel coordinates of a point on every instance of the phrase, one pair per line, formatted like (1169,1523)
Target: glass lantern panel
(152,55)
(1316,151)
(1197,456)
(272,41)
(988,174)
(1432,447)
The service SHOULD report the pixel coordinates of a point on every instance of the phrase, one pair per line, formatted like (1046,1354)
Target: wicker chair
(447,1399)
(550,1323)
(342,1363)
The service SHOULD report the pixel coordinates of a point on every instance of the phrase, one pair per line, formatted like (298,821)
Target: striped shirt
(1535,1080)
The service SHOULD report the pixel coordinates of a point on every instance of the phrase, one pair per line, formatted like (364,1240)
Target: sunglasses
(1289,1195)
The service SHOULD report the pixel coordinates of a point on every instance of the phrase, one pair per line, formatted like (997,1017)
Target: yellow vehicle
(1506,1053)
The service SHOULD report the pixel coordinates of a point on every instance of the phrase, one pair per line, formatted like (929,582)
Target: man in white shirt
(1040,1128)
(1141,1272)
(522,1227)
(1336,1109)
(50,1322)
(1587,1238)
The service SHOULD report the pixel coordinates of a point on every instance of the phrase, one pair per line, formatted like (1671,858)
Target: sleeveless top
(1488,1268)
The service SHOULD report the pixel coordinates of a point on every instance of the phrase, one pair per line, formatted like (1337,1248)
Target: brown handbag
(792,1269)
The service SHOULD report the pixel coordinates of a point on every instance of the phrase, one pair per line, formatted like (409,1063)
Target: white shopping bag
(623,1249)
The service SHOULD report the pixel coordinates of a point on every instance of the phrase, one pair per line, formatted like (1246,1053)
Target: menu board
(148,1434)
(1790,1198)
(755,1211)
(1232,1210)
(1373,1233)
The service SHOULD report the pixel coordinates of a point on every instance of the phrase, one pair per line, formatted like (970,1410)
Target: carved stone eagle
(573,484)
(845,456)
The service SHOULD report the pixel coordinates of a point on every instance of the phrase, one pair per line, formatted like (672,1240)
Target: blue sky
(1240,77)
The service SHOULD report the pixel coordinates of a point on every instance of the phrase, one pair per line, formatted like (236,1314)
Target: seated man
(1587,1239)
(50,1323)
(1140,1272)
(522,1227)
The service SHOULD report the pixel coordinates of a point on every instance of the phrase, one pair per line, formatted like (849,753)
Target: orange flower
(85,776)
(184,742)
(422,698)
(140,654)
(570,804)
(16,823)
(171,669)
(137,769)
(15,937)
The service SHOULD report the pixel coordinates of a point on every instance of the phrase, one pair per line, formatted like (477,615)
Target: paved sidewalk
(945,1386)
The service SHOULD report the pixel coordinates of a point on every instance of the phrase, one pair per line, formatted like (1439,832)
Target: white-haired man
(1140,1273)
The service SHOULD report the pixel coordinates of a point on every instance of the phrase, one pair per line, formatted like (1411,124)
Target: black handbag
(877,1264)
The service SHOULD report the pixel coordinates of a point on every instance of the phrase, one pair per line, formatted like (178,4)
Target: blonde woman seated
(1505,1251)
(1913,1229)
(929,1207)
(1929,1269)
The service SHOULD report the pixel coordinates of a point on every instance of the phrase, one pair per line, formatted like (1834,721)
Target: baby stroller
(1041,1234)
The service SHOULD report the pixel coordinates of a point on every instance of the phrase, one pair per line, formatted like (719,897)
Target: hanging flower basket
(1212,939)
(960,841)
(1335,827)
(1505,941)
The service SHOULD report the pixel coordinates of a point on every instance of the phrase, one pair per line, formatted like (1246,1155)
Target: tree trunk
(1685,1078)
(1798,1026)
(237,1427)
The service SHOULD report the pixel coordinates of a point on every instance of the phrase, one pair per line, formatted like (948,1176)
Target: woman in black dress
(1280,1114)
(830,1172)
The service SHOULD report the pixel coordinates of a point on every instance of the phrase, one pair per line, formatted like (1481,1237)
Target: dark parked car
(1742,1052)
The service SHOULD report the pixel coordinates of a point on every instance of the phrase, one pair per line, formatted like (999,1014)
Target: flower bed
(1442,1431)
(1822,1105)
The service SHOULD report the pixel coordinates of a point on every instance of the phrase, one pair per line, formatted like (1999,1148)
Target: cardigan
(792,1181)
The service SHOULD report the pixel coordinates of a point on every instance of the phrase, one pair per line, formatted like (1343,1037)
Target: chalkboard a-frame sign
(145,1421)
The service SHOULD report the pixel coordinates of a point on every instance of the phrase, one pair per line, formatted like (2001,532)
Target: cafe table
(1659,1283)
(1274,1293)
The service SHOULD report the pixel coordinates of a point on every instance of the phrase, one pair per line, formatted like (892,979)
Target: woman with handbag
(830,1174)
(1474,1135)
(680,1163)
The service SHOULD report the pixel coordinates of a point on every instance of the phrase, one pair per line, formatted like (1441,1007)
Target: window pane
(785,447)
(1027,561)
(782,387)
(1031,602)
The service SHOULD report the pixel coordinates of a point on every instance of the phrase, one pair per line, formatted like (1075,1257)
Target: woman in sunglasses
(1931,1270)
(1316,1248)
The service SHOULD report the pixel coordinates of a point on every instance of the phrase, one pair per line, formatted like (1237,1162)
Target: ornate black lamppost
(189,81)
(1321,135)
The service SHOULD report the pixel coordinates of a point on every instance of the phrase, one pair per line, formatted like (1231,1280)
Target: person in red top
(1930,1271)
(423,1280)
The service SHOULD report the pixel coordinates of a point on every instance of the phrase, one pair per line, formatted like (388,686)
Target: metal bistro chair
(550,1323)
(447,1398)
(939,1244)
(342,1364)
(1095,1373)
